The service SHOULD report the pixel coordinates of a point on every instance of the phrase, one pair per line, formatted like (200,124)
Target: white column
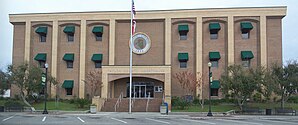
(112,42)
(168,89)
(54,55)
(263,41)
(199,54)
(27,41)
(105,84)
(82,59)
(231,41)
(168,46)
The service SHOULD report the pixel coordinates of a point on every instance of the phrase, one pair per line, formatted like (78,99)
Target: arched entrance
(111,74)
(142,87)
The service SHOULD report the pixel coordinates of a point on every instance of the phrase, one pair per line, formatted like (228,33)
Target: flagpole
(130,58)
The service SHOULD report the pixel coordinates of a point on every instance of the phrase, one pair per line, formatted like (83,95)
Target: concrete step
(139,105)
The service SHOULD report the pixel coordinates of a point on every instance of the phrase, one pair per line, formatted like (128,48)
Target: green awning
(246,26)
(214,26)
(183,28)
(68,57)
(69,29)
(214,56)
(246,55)
(215,84)
(183,57)
(97,57)
(97,29)
(41,57)
(67,84)
(42,30)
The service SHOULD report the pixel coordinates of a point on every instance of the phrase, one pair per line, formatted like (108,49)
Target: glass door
(139,91)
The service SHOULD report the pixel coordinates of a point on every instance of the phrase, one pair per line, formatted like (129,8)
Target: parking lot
(140,119)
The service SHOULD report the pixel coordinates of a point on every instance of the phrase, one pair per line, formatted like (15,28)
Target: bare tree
(93,80)
(190,82)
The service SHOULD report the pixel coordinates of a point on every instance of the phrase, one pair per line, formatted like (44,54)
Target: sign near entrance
(141,43)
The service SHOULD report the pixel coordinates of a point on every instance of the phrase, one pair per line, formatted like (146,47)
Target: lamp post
(45,91)
(210,75)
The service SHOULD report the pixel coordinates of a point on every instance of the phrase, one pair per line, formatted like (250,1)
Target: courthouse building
(166,42)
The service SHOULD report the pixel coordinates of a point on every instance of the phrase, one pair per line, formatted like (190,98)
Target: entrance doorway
(141,90)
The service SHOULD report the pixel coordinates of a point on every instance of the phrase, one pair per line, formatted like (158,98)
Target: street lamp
(45,91)
(210,75)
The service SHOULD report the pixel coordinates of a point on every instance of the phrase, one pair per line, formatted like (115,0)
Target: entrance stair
(138,106)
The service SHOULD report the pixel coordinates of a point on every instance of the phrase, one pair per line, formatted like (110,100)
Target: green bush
(82,102)
(11,103)
(175,100)
(257,97)
(180,103)
(293,99)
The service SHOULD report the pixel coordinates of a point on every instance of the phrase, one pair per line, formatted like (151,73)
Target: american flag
(133,11)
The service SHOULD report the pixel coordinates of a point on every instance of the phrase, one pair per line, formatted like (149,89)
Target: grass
(65,106)
(228,107)
(51,105)
(197,108)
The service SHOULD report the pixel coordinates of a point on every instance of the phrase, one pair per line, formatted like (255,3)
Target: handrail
(147,102)
(132,102)
(118,101)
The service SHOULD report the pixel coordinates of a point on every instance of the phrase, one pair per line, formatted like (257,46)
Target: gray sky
(44,6)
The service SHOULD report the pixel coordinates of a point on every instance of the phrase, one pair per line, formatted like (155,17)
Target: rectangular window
(68,91)
(42,38)
(157,88)
(214,92)
(98,37)
(69,64)
(183,37)
(214,63)
(183,64)
(213,35)
(245,35)
(97,64)
(246,63)
(70,37)
(41,64)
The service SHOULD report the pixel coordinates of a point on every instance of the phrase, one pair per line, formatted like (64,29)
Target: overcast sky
(290,26)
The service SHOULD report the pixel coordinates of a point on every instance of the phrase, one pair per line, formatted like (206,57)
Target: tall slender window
(246,27)
(69,30)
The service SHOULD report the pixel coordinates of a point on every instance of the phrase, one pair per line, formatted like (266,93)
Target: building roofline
(169,10)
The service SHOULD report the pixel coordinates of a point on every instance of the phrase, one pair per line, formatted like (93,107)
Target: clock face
(141,43)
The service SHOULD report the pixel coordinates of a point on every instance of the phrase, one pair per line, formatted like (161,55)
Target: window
(183,30)
(245,35)
(97,64)
(214,63)
(157,88)
(42,31)
(69,64)
(183,64)
(70,37)
(41,64)
(68,91)
(214,27)
(246,63)
(42,38)
(213,35)
(245,29)
(214,92)
(183,36)
(98,37)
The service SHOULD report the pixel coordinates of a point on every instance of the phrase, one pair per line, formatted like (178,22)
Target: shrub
(293,99)
(11,103)
(82,102)
(257,97)
(181,103)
